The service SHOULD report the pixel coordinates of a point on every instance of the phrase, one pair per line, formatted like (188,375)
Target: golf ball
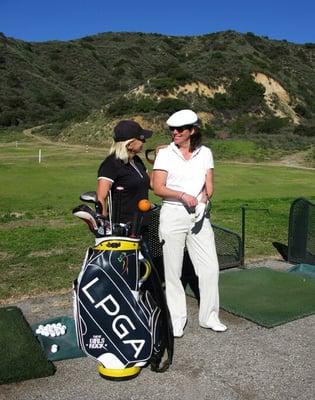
(54,348)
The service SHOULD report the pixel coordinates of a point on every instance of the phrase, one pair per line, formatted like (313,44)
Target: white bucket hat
(182,117)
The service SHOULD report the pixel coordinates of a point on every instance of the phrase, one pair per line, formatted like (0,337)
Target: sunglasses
(180,129)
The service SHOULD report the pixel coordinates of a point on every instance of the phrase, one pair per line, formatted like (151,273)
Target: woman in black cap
(123,173)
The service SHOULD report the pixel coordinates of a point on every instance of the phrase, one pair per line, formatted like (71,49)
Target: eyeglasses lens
(180,129)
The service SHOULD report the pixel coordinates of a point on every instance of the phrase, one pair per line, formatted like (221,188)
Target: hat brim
(147,134)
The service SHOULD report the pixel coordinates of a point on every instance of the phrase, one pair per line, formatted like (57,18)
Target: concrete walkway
(247,362)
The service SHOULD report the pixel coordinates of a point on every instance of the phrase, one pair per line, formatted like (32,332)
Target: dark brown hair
(195,139)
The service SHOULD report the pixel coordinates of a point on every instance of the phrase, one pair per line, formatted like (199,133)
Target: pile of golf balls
(51,330)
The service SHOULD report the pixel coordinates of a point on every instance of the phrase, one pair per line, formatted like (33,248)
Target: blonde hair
(120,149)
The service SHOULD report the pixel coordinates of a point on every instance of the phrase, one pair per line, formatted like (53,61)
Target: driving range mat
(267,297)
(21,355)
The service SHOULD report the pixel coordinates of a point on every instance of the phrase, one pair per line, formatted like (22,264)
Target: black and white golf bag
(120,312)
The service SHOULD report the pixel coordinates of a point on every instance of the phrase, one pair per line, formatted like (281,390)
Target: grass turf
(267,297)
(20,353)
(42,245)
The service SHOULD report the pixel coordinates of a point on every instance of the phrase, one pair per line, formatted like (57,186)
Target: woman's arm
(160,189)
(209,184)
(103,187)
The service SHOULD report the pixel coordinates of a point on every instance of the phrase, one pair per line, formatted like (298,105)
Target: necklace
(132,163)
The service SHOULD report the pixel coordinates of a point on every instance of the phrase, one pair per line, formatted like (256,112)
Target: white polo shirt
(184,175)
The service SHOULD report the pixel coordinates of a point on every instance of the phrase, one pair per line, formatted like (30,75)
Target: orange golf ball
(144,205)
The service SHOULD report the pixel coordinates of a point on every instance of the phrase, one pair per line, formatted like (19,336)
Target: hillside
(241,84)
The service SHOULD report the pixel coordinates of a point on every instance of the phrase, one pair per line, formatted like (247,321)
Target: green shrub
(8,118)
(303,130)
(208,131)
(120,107)
(310,157)
(221,101)
(170,106)
(302,111)
(163,84)
(179,74)
(145,104)
(246,91)
(272,125)
(56,97)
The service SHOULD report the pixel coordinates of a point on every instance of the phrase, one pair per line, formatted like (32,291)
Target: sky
(42,20)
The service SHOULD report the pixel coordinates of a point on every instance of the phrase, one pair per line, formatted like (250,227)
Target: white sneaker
(216,326)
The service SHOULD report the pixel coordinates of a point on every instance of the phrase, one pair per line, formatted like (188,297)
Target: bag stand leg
(118,374)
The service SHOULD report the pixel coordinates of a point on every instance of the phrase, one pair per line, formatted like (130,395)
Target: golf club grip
(98,207)
(135,223)
(118,197)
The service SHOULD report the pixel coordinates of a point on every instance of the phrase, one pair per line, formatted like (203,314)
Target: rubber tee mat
(265,296)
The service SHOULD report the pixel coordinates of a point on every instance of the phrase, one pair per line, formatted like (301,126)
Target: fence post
(39,156)
(243,221)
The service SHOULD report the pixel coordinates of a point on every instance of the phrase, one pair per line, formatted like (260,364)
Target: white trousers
(175,231)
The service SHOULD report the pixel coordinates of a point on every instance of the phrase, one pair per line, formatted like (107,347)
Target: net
(228,243)
(301,237)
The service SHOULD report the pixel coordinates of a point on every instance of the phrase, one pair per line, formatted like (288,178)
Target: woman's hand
(189,200)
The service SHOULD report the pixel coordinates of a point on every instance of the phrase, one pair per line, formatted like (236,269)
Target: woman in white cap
(183,177)
(124,169)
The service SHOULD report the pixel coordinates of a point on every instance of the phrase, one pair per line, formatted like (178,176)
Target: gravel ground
(245,363)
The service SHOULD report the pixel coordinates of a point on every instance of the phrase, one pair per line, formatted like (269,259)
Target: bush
(302,111)
(56,97)
(163,84)
(145,104)
(179,74)
(303,130)
(272,125)
(243,93)
(310,156)
(221,101)
(120,107)
(246,91)
(8,118)
(208,131)
(170,106)
(57,69)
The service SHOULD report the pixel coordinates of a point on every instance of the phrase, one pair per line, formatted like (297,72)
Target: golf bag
(120,312)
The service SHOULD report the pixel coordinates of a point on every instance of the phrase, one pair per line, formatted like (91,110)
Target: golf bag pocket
(115,322)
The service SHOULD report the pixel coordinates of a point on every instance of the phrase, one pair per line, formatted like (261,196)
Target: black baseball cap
(129,129)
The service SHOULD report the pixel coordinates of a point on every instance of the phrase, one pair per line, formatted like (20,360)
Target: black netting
(301,238)
(228,243)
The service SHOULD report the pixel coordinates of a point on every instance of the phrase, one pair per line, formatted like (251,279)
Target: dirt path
(42,139)
(28,133)
(280,163)
(295,160)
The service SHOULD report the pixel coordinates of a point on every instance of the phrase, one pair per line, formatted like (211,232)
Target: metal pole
(243,222)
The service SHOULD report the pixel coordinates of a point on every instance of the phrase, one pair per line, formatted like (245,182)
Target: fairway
(42,245)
